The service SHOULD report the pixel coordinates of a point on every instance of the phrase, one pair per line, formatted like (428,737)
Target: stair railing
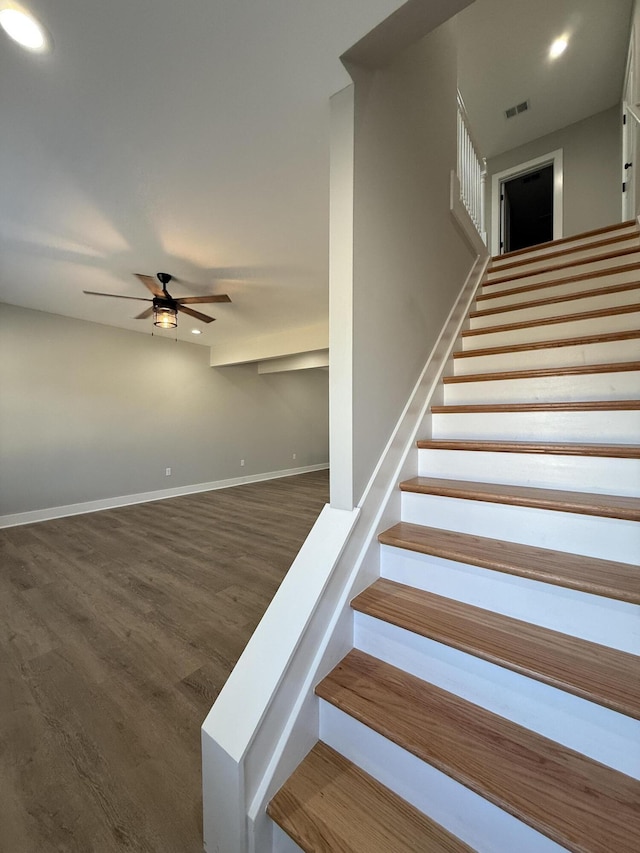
(627,108)
(472,172)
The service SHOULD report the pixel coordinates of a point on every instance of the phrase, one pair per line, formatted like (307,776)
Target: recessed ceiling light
(23,28)
(196,331)
(558,47)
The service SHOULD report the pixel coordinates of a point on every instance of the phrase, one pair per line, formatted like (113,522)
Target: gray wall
(592,151)
(90,412)
(410,260)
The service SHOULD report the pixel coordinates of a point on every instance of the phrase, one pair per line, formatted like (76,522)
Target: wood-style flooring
(117,631)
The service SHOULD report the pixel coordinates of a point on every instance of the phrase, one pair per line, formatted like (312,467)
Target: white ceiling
(503,59)
(192,137)
(182,136)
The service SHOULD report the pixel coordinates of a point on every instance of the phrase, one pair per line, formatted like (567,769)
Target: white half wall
(410,257)
(341,298)
(91,413)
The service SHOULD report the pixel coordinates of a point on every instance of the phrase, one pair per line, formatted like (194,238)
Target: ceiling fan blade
(194,300)
(150,282)
(117,296)
(196,314)
(146,313)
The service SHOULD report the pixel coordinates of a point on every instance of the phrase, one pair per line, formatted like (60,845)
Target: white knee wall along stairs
(492,698)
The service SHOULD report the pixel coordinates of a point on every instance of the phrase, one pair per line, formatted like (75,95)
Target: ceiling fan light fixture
(165,316)
(23,28)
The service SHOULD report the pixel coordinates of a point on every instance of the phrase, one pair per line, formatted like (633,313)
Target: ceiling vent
(515,111)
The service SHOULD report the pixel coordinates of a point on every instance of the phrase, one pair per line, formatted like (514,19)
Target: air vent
(519,108)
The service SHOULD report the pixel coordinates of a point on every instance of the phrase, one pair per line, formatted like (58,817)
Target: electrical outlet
(167,472)
(242,463)
(294,455)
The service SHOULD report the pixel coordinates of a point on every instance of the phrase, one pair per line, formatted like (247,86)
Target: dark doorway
(527,209)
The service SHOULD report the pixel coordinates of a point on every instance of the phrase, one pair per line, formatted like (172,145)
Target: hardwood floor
(117,631)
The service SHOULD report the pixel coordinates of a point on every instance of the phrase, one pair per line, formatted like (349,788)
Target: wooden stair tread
(576,262)
(559,253)
(541,372)
(619,451)
(583,234)
(525,288)
(620,581)
(329,804)
(579,803)
(597,673)
(565,406)
(553,300)
(583,503)
(609,337)
(552,321)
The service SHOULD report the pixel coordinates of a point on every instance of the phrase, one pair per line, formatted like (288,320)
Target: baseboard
(50,513)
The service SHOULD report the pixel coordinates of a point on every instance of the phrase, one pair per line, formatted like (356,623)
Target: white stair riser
(282,843)
(537,251)
(606,427)
(605,352)
(592,536)
(597,732)
(577,254)
(554,309)
(569,328)
(592,617)
(624,385)
(497,295)
(470,817)
(544,471)
(564,272)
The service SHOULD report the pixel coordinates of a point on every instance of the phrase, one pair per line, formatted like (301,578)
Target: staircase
(492,700)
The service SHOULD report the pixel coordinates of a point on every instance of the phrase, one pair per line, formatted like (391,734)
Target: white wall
(635,38)
(410,260)
(90,412)
(634,44)
(592,151)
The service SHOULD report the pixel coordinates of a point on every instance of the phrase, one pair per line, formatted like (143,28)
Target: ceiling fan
(164,307)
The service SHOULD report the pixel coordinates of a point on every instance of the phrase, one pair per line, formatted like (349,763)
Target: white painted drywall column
(341,299)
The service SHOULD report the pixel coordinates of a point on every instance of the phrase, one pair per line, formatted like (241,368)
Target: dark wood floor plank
(117,631)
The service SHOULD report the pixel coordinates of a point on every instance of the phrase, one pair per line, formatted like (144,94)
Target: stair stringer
(359,564)
(245,764)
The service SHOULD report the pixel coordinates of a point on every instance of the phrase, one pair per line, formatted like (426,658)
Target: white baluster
(471,170)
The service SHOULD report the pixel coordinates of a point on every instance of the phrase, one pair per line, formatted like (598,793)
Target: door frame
(629,135)
(553,158)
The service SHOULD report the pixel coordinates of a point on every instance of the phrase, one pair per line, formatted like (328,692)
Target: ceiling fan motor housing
(160,302)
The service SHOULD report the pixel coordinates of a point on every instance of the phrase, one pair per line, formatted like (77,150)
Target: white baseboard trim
(50,513)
